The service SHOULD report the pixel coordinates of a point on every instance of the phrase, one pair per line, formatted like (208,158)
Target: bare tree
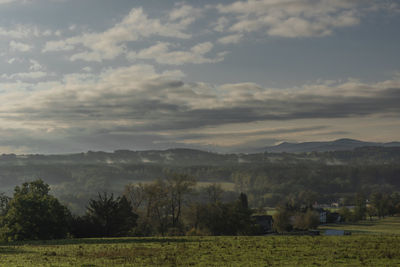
(157,204)
(135,194)
(178,186)
(214,192)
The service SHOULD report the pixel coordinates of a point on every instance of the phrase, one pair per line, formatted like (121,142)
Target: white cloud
(17,32)
(87,69)
(25,75)
(185,14)
(23,32)
(35,65)
(6,1)
(57,46)
(231,39)
(221,24)
(18,46)
(161,54)
(292,18)
(112,42)
(12,60)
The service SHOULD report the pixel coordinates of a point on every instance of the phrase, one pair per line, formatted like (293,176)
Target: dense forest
(266,178)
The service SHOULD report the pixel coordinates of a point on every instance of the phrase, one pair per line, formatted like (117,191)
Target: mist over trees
(171,206)
(179,192)
(162,207)
(266,178)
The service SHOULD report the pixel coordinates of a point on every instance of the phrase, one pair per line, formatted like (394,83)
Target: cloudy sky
(80,75)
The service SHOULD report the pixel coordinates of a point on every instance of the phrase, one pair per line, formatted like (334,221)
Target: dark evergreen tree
(105,216)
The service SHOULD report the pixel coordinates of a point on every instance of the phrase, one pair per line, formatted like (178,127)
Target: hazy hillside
(265,177)
(337,145)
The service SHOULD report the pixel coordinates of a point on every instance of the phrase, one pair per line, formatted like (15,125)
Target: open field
(388,225)
(379,247)
(356,250)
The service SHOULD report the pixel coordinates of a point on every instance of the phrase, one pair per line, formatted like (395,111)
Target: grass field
(356,250)
(388,225)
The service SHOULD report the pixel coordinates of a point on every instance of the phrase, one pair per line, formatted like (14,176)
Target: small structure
(264,222)
(322,215)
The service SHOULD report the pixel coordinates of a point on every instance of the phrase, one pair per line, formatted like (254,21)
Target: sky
(224,76)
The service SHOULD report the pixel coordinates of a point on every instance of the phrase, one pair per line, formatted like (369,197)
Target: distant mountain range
(337,145)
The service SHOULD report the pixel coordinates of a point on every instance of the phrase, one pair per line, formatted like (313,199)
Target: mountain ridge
(343,144)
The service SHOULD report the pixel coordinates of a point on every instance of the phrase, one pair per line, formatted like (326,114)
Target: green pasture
(361,250)
(388,225)
(379,247)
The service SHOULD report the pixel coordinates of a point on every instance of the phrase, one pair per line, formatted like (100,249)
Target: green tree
(360,209)
(282,220)
(219,218)
(380,201)
(4,200)
(111,217)
(371,211)
(346,214)
(34,214)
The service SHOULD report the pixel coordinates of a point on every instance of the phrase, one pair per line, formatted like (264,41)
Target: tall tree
(34,214)
(360,209)
(157,205)
(178,185)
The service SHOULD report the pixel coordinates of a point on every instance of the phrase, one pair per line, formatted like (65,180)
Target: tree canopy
(33,213)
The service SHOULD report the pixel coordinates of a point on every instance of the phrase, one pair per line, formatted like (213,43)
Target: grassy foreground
(362,250)
(356,250)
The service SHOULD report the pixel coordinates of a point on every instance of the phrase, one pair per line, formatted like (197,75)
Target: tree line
(266,178)
(161,207)
(169,206)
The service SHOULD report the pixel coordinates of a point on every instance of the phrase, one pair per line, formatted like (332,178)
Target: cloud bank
(141,101)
